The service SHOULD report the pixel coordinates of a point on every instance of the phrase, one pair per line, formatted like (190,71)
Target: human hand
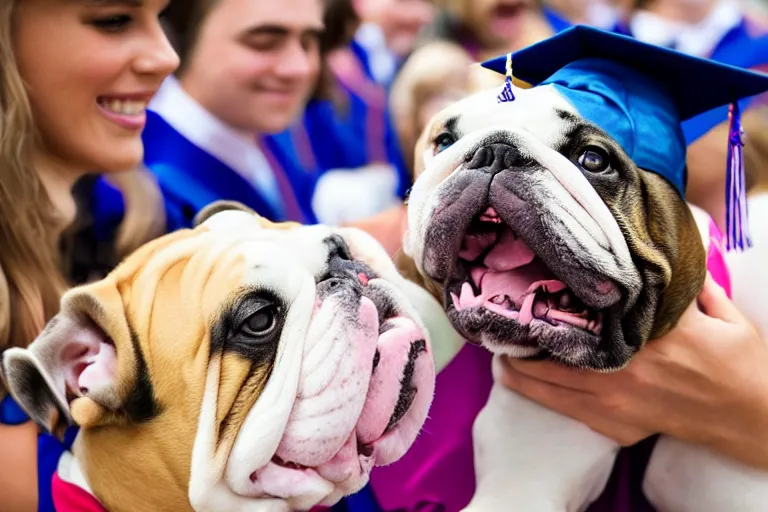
(705,382)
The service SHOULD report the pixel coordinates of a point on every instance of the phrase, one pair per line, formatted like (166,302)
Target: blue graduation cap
(641,95)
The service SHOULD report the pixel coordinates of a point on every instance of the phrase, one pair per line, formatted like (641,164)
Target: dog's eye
(262,322)
(443,142)
(594,159)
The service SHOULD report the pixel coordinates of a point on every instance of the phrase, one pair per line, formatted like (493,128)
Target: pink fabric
(716,258)
(71,498)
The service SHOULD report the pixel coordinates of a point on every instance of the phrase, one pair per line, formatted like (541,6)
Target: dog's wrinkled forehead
(306,246)
(540,111)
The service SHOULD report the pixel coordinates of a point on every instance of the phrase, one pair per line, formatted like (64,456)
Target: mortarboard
(642,95)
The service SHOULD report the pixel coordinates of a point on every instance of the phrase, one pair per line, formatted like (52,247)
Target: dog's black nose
(342,270)
(494,158)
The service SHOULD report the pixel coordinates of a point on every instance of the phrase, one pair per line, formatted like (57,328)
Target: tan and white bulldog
(544,240)
(238,366)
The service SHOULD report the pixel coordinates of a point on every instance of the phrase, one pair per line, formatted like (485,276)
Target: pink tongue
(510,270)
(509,253)
(515,284)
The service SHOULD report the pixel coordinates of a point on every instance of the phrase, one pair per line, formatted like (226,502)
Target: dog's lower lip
(287,464)
(407,391)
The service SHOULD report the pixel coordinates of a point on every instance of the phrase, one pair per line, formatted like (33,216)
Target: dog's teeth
(456,301)
(499,299)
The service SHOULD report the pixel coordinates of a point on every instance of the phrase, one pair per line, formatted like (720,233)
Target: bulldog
(240,365)
(543,239)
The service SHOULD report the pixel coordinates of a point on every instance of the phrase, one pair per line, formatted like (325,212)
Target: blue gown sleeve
(108,209)
(11,413)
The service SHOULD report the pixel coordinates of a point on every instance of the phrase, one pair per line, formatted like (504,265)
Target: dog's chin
(380,390)
(501,294)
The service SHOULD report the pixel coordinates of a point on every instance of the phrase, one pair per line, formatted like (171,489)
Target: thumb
(715,303)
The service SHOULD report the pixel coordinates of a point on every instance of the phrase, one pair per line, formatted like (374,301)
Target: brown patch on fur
(661,232)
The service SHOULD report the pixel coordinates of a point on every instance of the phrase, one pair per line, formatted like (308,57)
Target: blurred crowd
(304,110)
(306,124)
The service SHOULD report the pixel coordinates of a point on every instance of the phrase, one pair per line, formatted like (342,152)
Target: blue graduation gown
(358,132)
(191,178)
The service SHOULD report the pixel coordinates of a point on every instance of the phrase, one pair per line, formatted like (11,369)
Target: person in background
(75,79)
(350,135)
(722,30)
(388,32)
(434,76)
(217,128)
(596,13)
(488,28)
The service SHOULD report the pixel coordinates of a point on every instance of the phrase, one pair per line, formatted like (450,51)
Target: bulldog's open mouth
(513,279)
(497,271)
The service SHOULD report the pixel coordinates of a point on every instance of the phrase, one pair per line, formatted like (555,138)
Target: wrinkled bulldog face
(287,363)
(545,239)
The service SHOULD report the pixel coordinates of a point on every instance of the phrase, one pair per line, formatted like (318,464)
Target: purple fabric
(437,474)
(438,469)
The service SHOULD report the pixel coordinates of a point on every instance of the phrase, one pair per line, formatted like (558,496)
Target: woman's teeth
(124,107)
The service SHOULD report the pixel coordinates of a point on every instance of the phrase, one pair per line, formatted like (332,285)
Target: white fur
(749,273)
(529,458)
(532,459)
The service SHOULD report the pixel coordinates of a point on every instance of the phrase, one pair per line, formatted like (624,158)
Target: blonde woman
(74,80)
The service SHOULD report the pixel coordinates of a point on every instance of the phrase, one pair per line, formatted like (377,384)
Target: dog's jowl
(241,365)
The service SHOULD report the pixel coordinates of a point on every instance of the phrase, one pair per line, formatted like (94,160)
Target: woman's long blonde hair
(30,277)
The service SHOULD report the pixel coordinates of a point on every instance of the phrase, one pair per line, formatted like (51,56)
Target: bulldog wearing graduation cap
(551,222)
(237,366)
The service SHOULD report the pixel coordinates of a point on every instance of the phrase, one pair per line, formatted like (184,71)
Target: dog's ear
(219,206)
(418,150)
(676,251)
(81,369)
